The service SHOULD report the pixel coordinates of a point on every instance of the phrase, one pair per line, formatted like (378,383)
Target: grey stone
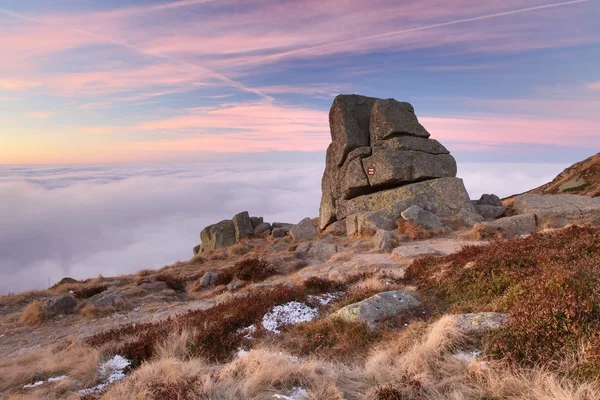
(490,212)
(281,225)
(197,249)
(370,221)
(279,246)
(355,181)
(66,280)
(304,230)
(422,218)
(154,286)
(469,217)
(401,143)
(242,225)
(108,298)
(236,285)
(280,232)
(322,250)
(256,221)
(219,235)
(556,211)
(383,240)
(382,306)
(351,225)
(411,250)
(64,304)
(444,197)
(338,228)
(302,250)
(489,200)
(349,119)
(518,225)
(390,117)
(480,322)
(395,168)
(262,228)
(208,279)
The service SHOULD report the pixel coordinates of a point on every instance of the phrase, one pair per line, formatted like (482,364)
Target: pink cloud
(40,114)
(594,85)
(14,84)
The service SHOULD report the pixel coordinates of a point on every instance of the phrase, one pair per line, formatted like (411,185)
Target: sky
(85,81)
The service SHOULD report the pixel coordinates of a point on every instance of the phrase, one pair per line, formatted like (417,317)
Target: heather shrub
(224,277)
(88,291)
(253,269)
(549,283)
(316,284)
(176,283)
(415,232)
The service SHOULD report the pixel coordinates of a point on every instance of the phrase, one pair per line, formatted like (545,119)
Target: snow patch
(40,383)
(111,371)
(248,331)
(468,357)
(57,379)
(288,314)
(298,393)
(32,385)
(325,298)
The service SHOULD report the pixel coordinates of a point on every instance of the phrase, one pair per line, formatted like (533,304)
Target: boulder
(148,286)
(397,168)
(424,219)
(108,298)
(381,307)
(355,180)
(411,250)
(383,240)
(490,212)
(281,225)
(256,221)
(489,200)
(302,250)
(483,322)
(64,304)
(444,197)
(338,228)
(262,228)
(236,285)
(280,232)
(65,281)
(218,235)
(399,143)
(392,118)
(242,225)
(518,225)
(208,279)
(370,221)
(556,211)
(197,249)
(304,230)
(322,251)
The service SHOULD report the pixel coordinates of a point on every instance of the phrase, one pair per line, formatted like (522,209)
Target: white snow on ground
(467,357)
(40,383)
(111,371)
(298,393)
(288,314)
(241,353)
(249,330)
(32,385)
(57,379)
(325,298)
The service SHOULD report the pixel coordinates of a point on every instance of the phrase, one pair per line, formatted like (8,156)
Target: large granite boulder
(219,235)
(515,226)
(379,308)
(421,218)
(378,146)
(304,230)
(64,304)
(242,225)
(556,211)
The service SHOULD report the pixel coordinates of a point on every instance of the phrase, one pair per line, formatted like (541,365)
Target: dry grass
(415,232)
(33,314)
(91,311)
(21,299)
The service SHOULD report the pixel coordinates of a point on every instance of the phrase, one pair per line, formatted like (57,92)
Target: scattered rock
(410,250)
(108,298)
(236,285)
(490,212)
(556,211)
(218,235)
(302,250)
(481,322)
(280,232)
(282,225)
(489,200)
(383,240)
(382,306)
(518,225)
(304,230)
(153,286)
(242,225)
(208,279)
(322,251)
(262,228)
(422,218)
(279,246)
(338,228)
(256,221)
(197,249)
(64,304)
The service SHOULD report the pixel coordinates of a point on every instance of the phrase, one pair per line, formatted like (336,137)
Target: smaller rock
(279,246)
(369,221)
(489,200)
(262,228)
(469,218)
(421,217)
(322,251)
(197,249)
(208,279)
(304,230)
(302,250)
(281,225)
(153,286)
(243,225)
(490,212)
(481,322)
(382,306)
(235,285)
(280,232)
(66,280)
(108,298)
(256,221)
(410,250)
(383,240)
(518,225)
(338,228)
(351,225)
(64,304)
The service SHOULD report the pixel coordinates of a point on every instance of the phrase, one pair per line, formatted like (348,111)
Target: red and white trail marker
(371,171)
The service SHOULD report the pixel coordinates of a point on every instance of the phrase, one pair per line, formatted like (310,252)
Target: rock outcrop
(381,158)
(556,211)
(229,232)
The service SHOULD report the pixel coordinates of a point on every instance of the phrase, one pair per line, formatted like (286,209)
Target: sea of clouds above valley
(81,221)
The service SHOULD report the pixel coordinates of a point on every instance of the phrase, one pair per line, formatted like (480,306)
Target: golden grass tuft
(33,314)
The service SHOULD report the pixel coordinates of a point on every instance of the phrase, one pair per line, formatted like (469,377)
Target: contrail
(208,71)
(400,32)
(151,8)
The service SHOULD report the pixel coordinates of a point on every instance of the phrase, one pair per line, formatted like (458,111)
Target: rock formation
(381,158)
